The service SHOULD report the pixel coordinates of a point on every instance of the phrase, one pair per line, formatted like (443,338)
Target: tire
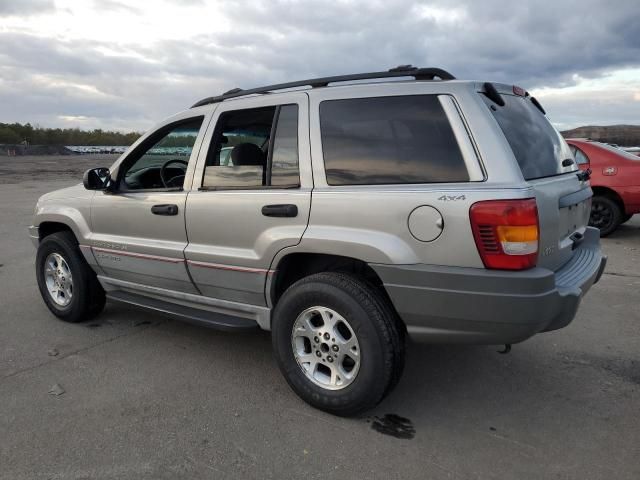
(80,296)
(626,218)
(606,215)
(366,328)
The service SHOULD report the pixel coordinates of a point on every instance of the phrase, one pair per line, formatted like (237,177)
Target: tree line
(16,133)
(623,135)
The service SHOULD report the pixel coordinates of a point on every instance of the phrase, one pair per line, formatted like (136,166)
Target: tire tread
(87,305)
(386,324)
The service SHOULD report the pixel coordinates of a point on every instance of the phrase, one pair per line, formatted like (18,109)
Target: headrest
(247,154)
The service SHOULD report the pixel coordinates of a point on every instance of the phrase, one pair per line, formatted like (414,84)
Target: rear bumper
(478,306)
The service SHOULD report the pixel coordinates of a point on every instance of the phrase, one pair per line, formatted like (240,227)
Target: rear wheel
(336,343)
(606,215)
(68,286)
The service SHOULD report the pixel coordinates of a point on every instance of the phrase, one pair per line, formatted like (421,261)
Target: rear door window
(284,161)
(536,144)
(389,140)
(254,148)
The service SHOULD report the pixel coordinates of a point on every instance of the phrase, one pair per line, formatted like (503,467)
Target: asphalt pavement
(139,395)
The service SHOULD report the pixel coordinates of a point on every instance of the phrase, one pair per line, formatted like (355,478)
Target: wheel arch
(609,193)
(296,265)
(50,227)
(55,218)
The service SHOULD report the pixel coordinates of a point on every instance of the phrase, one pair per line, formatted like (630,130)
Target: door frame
(205,111)
(253,277)
(304,147)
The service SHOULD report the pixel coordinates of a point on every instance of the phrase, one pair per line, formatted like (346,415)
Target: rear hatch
(547,164)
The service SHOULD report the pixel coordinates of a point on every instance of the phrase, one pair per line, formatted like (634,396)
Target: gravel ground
(139,395)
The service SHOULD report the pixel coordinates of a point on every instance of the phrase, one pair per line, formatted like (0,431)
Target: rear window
(389,140)
(536,144)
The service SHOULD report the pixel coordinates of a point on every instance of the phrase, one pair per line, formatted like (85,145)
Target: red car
(615,181)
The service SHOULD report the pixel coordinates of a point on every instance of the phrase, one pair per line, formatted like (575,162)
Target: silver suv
(343,214)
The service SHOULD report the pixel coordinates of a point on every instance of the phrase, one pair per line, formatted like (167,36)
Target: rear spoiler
(492,93)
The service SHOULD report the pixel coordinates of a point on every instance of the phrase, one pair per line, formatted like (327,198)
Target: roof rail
(400,71)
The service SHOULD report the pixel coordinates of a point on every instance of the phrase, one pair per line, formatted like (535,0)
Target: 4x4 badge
(451,198)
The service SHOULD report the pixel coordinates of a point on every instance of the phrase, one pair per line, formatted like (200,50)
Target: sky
(120,65)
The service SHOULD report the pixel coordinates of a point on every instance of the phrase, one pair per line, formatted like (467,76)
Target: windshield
(536,144)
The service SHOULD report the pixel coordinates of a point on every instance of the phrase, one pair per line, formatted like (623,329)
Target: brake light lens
(519,91)
(506,233)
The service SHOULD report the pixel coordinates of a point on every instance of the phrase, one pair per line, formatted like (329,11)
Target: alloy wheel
(601,215)
(326,348)
(57,276)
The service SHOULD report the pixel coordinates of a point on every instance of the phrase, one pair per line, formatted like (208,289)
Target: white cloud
(118,64)
(608,100)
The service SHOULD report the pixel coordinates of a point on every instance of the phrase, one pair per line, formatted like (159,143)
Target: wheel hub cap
(57,277)
(326,348)
(601,216)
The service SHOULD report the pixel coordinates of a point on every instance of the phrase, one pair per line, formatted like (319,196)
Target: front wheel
(337,342)
(68,286)
(606,215)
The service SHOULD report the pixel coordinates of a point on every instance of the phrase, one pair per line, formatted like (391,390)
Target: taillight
(506,233)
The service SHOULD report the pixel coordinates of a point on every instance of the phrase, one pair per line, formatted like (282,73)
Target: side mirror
(96,178)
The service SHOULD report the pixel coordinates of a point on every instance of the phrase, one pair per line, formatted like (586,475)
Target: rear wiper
(535,101)
(584,175)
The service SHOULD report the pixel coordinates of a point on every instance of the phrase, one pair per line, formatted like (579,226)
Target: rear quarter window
(389,140)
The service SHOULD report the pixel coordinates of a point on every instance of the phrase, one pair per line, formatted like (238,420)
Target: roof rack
(400,71)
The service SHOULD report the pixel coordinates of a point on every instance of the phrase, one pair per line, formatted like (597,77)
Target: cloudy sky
(127,64)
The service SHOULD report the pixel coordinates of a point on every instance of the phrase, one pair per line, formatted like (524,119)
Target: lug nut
(335,348)
(330,359)
(327,336)
(318,353)
(316,339)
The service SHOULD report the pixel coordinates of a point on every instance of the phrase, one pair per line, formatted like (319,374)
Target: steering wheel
(163,171)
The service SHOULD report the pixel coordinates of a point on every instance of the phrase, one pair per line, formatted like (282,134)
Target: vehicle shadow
(462,383)
(626,230)
(479,383)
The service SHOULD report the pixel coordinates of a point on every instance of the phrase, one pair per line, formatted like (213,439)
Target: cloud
(113,5)
(140,66)
(25,7)
(611,99)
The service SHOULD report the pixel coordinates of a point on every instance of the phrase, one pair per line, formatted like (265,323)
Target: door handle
(286,210)
(169,209)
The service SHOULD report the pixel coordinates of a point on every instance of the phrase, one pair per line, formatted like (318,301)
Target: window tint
(389,140)
(581,158)
(240,151)
(173,143)
(238,154)
(536,144)
(284,165)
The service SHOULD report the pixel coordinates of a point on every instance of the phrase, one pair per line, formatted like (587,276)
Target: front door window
(161,162)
